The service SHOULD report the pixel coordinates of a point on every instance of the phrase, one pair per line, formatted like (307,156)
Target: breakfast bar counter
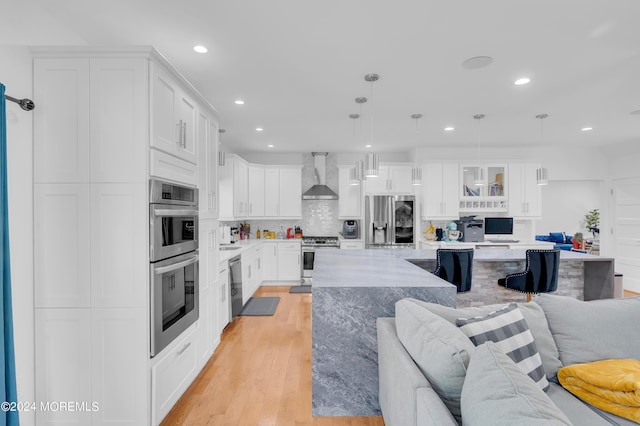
(351,288)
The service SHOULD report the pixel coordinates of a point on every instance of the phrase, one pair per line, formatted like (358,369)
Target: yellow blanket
(613,385)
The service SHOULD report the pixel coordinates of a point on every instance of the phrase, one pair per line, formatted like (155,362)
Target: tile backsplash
(319,217)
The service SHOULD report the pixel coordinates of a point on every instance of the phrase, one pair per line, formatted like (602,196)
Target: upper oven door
(173,230)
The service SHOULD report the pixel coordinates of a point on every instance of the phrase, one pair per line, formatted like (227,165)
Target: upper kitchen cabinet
(173,117)
(208,137)
(392,179)
(349,196)
(525,195)
(290,192)
(283,191)
(440,198)
(256,190)
(233,183)
(483,188)
(94,121)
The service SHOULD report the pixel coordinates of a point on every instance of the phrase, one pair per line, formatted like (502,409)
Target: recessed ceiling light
(368,146)
(269,146)
(259,129)
(586,129)
(448,129)
(477,62)
(200,49)
(521,81)
(239,102)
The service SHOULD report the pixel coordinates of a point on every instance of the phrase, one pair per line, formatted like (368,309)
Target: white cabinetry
(269,261)
(207,137)
(440,198)
(101,129)
(351,245)
(483,188)
(251,271)
(222,300)
(233,180)
(525,194)
(208,337)
(172,372)
(349,196)
(392,179)
(256,190)
(173,114)
(289,265)
(283,192)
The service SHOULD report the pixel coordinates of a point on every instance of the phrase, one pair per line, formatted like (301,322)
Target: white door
(269,261)
(400,180)
(256,190)
(164,127)
(450,195)
(271,192)
(626,231)
(186,107)
(380,184)
(291,192)
(118,117)
(432,204)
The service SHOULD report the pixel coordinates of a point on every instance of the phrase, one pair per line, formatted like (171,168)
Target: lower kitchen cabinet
(289,262)
(351,245)
(172,372)
(223,304)
(207,339)
(251,272)
(269,261)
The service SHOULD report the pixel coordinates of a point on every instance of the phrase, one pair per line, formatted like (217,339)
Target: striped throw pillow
(508,329)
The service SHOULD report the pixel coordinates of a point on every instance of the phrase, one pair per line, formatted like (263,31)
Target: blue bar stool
(540,275)
(455,266)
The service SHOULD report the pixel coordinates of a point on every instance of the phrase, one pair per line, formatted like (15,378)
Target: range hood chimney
(320,191)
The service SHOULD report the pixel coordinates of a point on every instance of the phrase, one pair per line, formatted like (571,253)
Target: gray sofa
(431,374)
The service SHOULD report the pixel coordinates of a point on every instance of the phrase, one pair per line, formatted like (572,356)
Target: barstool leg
(528,297)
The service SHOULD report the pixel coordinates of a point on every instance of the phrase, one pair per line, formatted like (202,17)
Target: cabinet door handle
(184,134)
(298,259)
(184,348)
(179,126)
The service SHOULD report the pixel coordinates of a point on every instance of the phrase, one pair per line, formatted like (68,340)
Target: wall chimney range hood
(320,191)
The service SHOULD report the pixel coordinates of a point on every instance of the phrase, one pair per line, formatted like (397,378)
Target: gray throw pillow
(594,330)
(533,315)
(496,392)
(439,349)
(507,328)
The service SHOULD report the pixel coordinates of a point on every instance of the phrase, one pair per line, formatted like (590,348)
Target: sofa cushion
(594,330)
(439,349)
(507,328)
(497,392)
(533,315)
(559,237)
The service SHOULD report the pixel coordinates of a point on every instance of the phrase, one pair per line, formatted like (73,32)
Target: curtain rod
(25,104)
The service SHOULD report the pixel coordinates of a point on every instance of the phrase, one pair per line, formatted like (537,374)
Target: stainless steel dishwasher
(235,285)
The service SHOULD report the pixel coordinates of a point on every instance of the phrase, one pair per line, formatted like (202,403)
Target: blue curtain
(7,357)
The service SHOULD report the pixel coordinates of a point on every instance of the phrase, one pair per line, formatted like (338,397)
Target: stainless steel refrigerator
(390,221)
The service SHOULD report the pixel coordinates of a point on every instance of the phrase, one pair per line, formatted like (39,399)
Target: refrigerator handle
(391,224)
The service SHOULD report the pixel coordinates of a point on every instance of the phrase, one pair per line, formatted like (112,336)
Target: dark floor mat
(260,306)
(300,289)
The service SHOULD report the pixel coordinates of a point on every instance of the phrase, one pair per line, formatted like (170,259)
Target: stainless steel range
(309,247)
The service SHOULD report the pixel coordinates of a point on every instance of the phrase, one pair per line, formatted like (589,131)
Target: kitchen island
(351,288)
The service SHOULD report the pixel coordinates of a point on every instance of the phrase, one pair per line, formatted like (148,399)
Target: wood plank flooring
(260,374)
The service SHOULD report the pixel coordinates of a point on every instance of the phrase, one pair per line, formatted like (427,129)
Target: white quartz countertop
(390,268)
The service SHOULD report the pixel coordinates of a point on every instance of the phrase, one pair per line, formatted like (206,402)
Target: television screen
(498,225)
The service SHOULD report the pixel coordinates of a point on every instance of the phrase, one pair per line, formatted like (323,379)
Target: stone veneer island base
(351,288)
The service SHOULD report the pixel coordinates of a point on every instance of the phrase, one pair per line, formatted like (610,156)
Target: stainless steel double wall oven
(173,234)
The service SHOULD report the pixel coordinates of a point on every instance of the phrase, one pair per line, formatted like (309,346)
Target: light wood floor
(260,374)
(629,293)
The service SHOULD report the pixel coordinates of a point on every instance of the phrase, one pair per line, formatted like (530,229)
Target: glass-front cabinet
(483,187)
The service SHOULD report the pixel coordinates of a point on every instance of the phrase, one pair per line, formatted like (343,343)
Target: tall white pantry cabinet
(96,145)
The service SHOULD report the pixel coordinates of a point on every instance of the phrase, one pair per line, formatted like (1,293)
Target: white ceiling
(300,64)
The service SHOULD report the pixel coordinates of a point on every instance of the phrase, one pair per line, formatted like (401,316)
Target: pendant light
(478,174)
(542,174)
(358,169)
(416,172)
(354,172)
(371,163)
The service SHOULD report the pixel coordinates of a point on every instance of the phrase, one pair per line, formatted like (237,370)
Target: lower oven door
(308,255)
(174,298)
